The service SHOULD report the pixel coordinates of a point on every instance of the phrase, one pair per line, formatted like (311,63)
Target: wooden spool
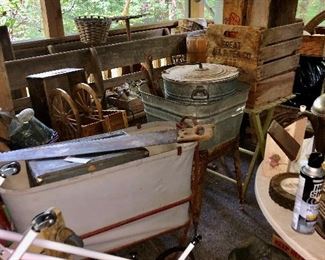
(197,46)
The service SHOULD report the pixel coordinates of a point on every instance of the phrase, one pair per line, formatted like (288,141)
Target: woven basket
(93,29)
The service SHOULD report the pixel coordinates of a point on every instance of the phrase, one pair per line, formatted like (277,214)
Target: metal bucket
(226,114)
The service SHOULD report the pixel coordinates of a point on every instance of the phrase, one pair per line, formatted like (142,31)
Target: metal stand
(260,129)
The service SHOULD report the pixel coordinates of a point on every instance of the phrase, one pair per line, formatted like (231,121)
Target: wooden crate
(313,46)
(265,57)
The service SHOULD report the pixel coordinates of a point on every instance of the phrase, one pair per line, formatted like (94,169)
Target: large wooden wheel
(65,115)
(87,102)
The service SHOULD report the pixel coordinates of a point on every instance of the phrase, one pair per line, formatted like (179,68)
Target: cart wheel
(65,115)
(174,253)
(87,101)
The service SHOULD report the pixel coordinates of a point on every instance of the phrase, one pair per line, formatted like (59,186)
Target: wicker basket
(93,29)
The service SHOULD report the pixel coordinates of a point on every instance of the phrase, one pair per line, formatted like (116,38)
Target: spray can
(308,195)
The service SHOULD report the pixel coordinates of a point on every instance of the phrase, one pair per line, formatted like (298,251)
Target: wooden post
(52,18)
(6,103)
(8,53)
(196,8)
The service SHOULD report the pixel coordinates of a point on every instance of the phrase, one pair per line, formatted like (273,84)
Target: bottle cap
(315,160)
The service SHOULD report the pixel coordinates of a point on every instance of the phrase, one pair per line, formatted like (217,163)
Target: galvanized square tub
(226,114)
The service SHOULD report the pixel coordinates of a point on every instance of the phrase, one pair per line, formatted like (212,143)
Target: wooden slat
(5,42)
(279,50)
(18,70)
(22,103)
(282,33)
(111,40)
(269,90)
(277,67)
(135,52)
(258,13)
(45,42)
(282,12)
(31,52)
(114,82)
(196,9)
(6,103)
(234,12)
(52,18)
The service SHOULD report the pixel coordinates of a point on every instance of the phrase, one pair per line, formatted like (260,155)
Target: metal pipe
(221,175)
(12,236)
(23,245)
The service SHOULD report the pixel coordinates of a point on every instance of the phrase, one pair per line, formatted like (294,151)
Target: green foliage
(155,10)
(307,9)
(23,18)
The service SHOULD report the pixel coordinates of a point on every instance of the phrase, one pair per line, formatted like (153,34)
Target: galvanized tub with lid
(226,114)
(199,83)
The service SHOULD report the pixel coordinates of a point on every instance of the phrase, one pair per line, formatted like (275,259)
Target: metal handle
(200,93)
(9,169)
(44,220)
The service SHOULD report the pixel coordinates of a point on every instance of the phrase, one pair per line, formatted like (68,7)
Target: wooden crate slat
(282,33)
(269,90)
(279,50)
(313,46)
(22,103)
(18,70)
(277,67)
(134,52)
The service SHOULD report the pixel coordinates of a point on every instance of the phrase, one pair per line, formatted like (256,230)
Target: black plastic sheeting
(308,81)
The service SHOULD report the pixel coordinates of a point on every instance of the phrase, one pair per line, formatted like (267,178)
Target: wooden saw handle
(195,133)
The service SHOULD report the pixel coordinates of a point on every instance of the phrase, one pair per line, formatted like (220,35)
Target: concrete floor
(224,225)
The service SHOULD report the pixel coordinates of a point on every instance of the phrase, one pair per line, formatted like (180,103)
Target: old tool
(104,145)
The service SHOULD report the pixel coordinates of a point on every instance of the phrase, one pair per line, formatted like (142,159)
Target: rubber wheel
(278,194)
(174,253)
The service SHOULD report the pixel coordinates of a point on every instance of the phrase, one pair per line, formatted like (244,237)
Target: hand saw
(109,143)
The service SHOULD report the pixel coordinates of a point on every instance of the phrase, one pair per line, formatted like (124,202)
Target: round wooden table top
(308,246)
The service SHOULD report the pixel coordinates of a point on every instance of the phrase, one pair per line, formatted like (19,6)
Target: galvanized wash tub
(200,83)
(226,114)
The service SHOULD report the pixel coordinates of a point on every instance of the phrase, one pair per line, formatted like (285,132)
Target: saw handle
(195,133)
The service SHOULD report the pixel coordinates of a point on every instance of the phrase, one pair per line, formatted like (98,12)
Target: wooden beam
(6,103)
(52,18)
(196,8)
(7,50)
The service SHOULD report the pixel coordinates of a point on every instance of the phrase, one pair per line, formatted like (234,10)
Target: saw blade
(90,146)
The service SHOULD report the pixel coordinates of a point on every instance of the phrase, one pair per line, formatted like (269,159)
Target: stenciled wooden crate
(266,57)
(313,46)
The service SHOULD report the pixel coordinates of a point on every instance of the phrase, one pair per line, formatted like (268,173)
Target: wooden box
(313,45)
(266,57)
(41,84)
(114,120)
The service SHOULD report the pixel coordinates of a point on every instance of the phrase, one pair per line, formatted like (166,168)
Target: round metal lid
(200,73)
(318,107)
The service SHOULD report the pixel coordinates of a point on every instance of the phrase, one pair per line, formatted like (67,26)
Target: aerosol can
(308,195)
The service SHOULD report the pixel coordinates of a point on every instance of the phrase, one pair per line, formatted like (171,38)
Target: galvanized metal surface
(199,83)
(51,170)
(318,108)
(226,113)
(91,146)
